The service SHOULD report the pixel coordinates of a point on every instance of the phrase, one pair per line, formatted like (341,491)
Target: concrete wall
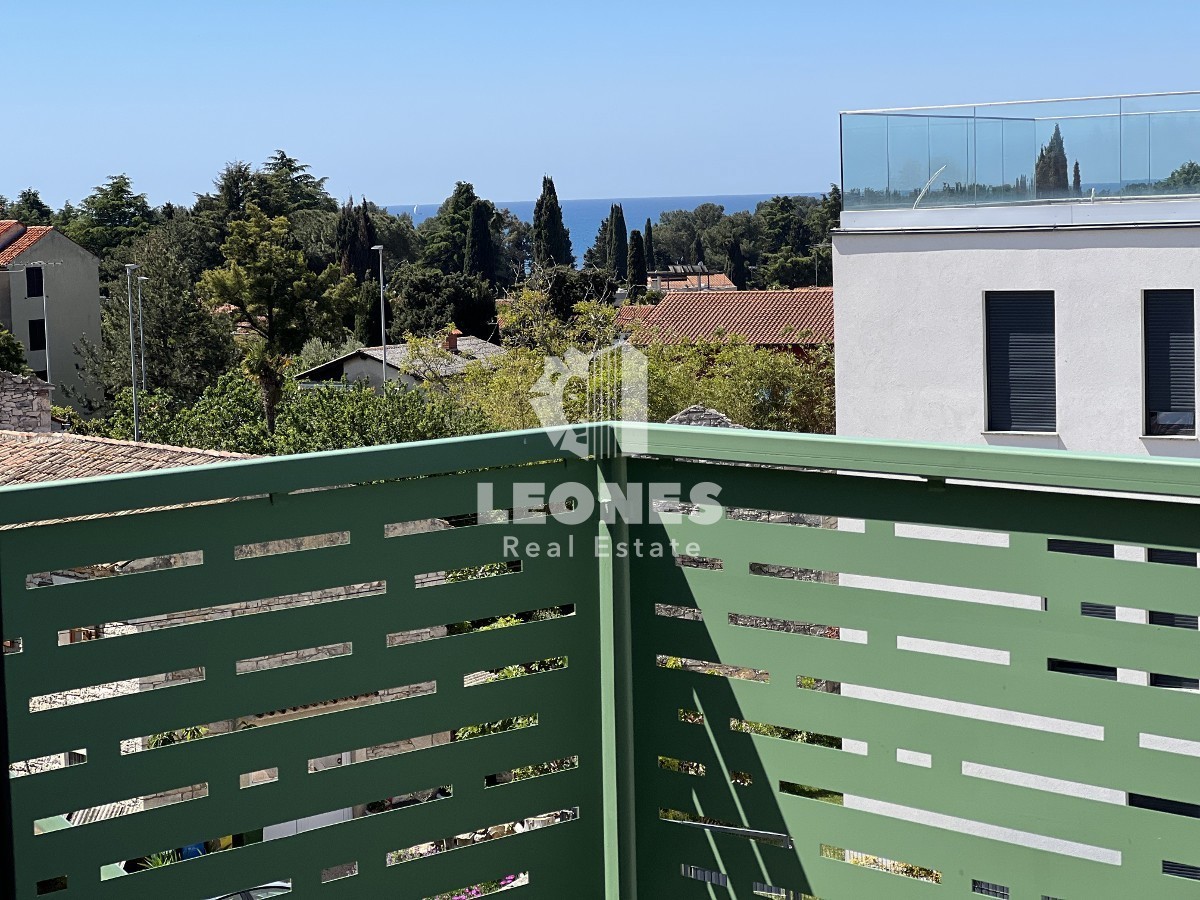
(910,330)
(371,371)
(72,306)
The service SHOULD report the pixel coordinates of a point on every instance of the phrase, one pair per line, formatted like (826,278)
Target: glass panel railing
(1041,151)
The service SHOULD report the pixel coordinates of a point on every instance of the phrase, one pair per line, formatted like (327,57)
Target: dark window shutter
(1020,360)
(1174,620)
(33,281)
(1170,362)
(37,335)
(1087,670)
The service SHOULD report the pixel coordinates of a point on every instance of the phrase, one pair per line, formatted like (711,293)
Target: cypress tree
(736,268)
(1050,171)
(597,254)
(637,264)
(1076,181)
(618,243)
(480,256)
(551,239)
(651,262)
(354,236)
(697,251)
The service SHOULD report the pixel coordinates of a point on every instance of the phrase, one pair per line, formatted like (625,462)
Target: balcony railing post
(617,694)
(8,874)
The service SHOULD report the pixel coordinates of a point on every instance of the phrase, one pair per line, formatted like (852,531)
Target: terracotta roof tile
(629,313)
(32,235)
(27,457)
(764,318)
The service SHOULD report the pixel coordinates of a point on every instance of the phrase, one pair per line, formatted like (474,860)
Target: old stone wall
(24,403)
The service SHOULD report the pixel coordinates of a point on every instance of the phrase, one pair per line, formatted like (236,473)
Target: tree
(698,251)
(480,253)
(597,256)
(12,354)
(1187,176)
(445,233)
(551,239)
(566,286)
(28,209)
(1050,170)
(285,185)
(267,286)
(186,346)
(736,267)
(354,237)
(651,259)
(514,240)
(618,243)
(637,264)
(111,216)
(1076,181)
(425,301)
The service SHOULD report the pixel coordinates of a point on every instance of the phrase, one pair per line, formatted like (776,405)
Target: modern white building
(990,292)
(49,299)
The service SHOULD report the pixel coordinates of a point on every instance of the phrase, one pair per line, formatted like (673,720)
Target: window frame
(1145,359)
(988,425)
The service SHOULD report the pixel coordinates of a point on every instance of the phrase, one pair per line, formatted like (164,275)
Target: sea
(583,217)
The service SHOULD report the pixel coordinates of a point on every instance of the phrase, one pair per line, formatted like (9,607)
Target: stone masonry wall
(24,403)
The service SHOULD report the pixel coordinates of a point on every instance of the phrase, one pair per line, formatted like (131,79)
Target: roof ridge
(70,436)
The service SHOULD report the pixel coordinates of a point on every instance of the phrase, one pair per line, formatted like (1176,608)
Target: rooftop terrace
(975,675)
(1126,147)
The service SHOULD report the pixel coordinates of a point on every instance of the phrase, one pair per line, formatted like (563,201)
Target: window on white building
(1020,361)
(37,335)
(1170,351)
(34,286)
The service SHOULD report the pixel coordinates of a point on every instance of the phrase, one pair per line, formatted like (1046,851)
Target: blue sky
(398,100)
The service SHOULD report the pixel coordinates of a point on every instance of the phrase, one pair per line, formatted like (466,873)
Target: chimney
(452,340)
(24,403)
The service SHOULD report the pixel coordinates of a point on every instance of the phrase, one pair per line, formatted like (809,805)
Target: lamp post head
(377,247)
(130,267)
(143,278)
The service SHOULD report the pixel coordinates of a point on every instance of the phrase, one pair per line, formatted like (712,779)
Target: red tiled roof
(632,312)
(32,235)
(764,318)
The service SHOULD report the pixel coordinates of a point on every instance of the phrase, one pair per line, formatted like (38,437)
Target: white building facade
(964,316)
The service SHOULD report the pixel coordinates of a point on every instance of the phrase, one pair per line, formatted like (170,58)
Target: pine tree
(618,243)
(597,255)
(1076,181)
(480,256)
(697,251)
(651,262)
(1050,171)
(736,269)
(637,264)
(551,239)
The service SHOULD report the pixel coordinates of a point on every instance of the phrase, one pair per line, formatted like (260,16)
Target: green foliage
(318,350)
(186,347)
(597,255)
(735,268)
(28,209)
(12,354)
(651,259)
(480,253)
(551,239)
(166,738)
(1187,176)
(566,286)
(445,234)
(286,185)
(424,301)
(637,265)
(111,216)
(697,250)
(618,243)
(1076,181)
(355,235)
(1050,170)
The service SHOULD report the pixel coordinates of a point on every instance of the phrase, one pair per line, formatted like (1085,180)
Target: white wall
(910,334)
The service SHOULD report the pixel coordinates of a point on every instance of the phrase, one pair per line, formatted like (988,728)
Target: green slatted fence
(850,687)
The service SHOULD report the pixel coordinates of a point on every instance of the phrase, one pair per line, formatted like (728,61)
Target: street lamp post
(382,312)
(141,333)
(130,268)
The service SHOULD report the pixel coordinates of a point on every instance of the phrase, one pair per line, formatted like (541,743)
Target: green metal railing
(848,686)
